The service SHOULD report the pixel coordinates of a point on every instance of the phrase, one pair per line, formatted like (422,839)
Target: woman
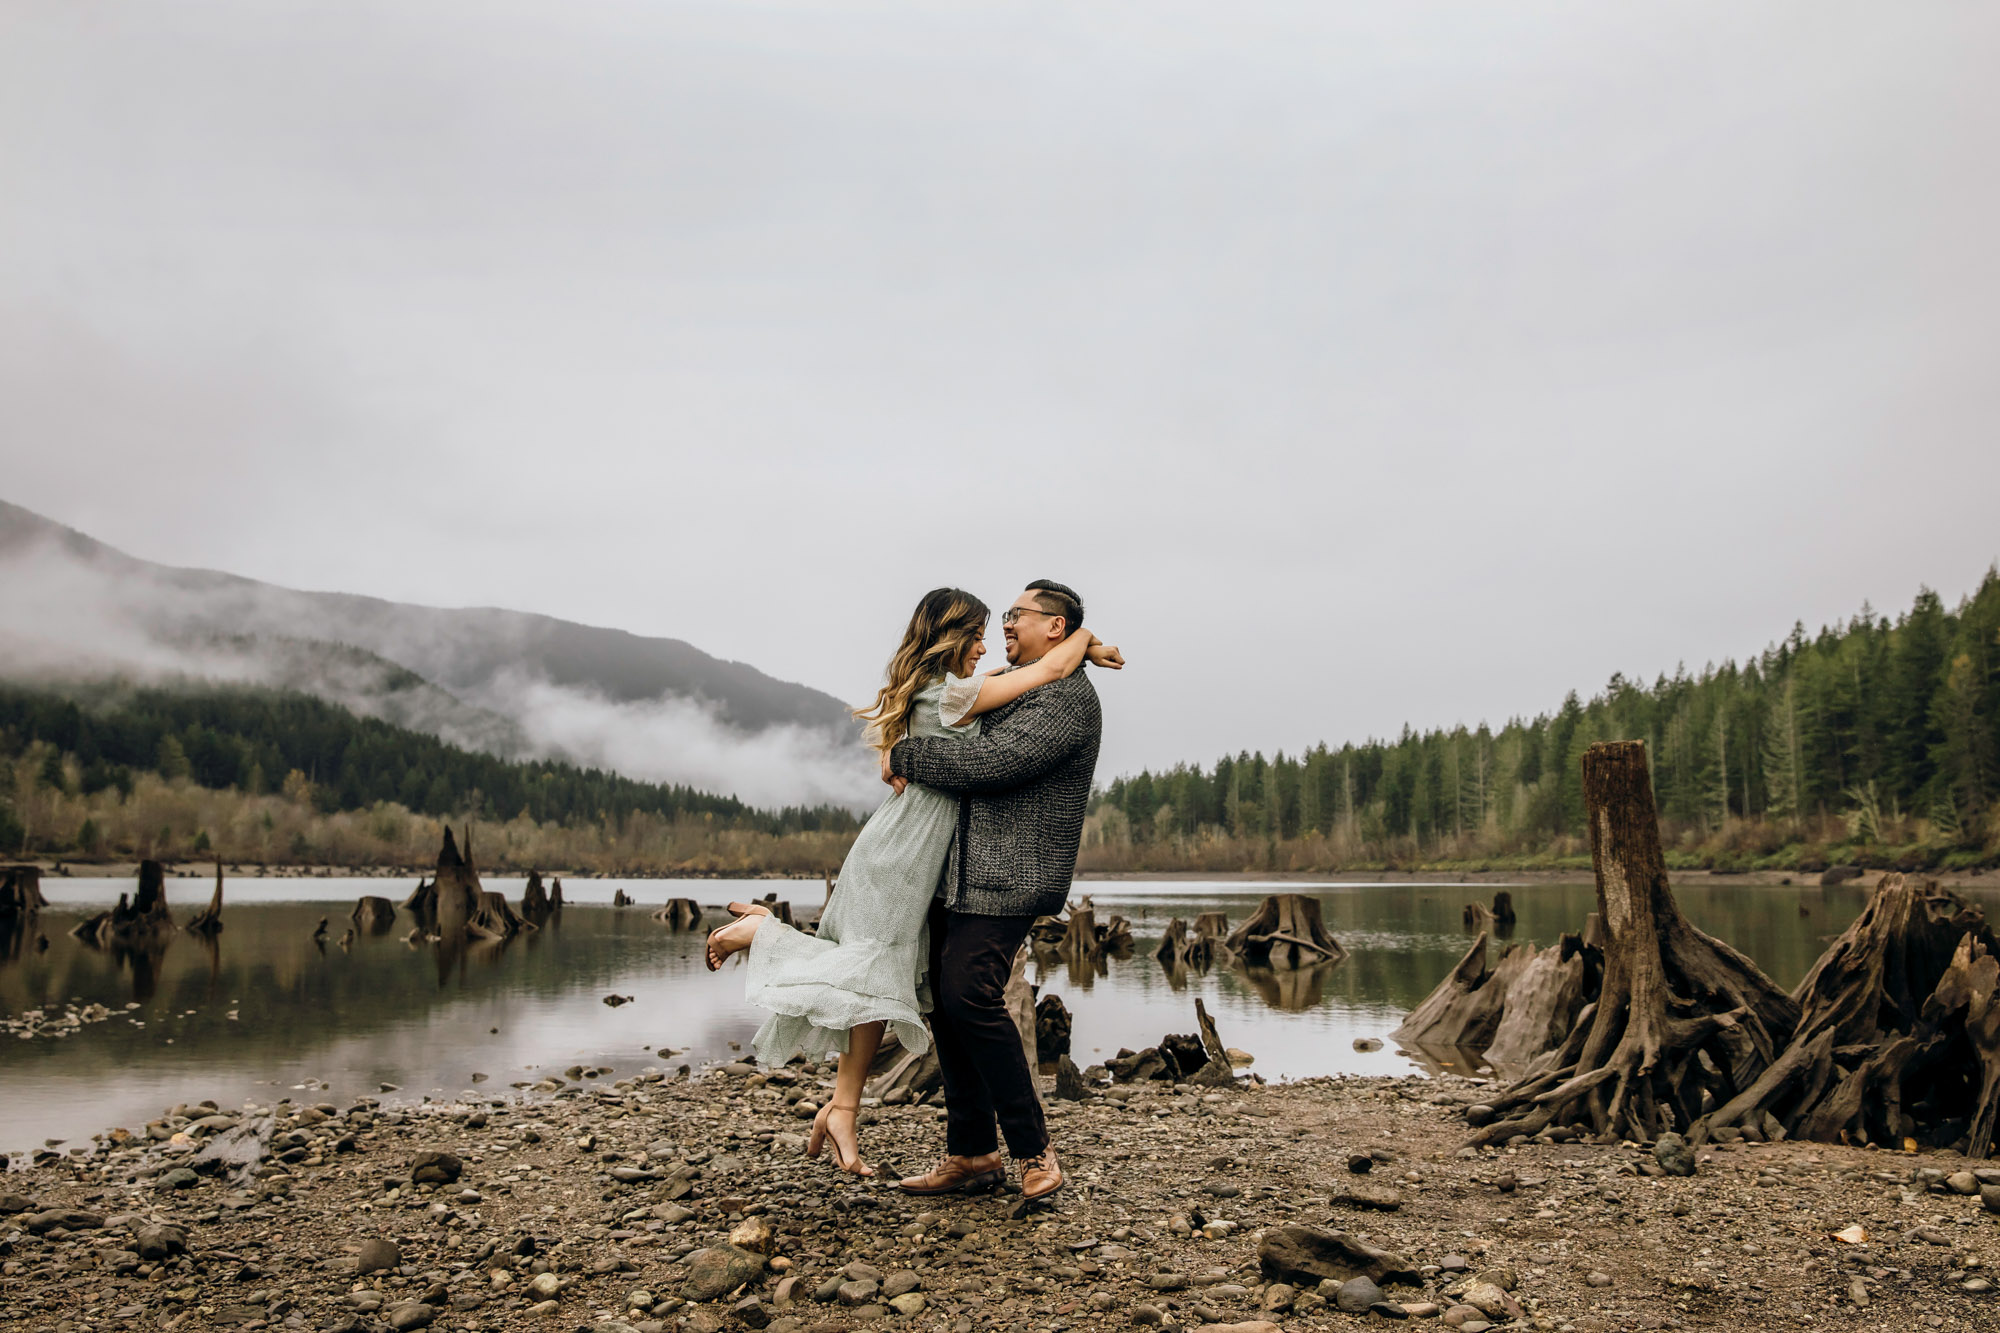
(864,970)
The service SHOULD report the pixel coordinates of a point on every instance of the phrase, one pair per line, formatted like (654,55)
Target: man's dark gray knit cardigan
(1022,785)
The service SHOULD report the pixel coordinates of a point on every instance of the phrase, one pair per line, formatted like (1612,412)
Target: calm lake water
(265,1012)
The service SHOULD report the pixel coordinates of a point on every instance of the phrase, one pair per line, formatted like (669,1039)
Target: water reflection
(260,1007)
(1290,990)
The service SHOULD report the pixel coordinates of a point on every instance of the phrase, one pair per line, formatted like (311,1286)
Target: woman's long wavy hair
(945,625)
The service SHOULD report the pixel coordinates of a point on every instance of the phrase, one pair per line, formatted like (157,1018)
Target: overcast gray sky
(1360,363)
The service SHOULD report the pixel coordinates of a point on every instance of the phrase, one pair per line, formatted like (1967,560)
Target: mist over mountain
(506,682)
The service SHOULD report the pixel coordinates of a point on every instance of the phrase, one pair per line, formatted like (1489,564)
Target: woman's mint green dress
(871,956)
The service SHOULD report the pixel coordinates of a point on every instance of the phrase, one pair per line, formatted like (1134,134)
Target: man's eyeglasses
(1014,613)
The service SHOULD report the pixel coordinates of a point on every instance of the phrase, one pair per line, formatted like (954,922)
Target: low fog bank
(75,615)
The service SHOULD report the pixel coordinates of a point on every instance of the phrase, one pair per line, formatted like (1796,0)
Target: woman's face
(973,654)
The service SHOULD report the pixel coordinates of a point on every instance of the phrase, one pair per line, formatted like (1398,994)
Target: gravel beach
(668,1201)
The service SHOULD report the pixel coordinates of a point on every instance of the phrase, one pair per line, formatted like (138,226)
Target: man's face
(1029,630)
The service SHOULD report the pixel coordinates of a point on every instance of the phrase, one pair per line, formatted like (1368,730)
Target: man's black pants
(986,1074)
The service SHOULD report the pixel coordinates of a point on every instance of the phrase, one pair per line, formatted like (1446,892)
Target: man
(1022,785)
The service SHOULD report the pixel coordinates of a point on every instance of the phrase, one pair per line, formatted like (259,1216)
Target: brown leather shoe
(955,1174)
(1040,1176)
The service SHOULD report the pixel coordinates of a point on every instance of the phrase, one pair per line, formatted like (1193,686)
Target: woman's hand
(1105,655)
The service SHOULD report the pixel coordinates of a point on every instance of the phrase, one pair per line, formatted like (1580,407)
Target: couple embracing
(991,774)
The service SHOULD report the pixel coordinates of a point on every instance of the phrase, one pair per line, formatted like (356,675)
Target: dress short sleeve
(957,700)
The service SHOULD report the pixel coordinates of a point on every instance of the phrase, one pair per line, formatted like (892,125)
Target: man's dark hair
(1059,600)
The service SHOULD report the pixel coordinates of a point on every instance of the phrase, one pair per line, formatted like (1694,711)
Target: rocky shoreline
(655,1201)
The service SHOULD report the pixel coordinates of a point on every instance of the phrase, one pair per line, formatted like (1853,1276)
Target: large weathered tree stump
(1510,1014)
(1897,1034)
(1464,1010)
(1683,1022)
(208,921)
(1286,932)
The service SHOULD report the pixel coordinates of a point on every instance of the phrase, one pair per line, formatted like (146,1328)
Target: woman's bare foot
(736,936)
(817,1139)
(841,1122)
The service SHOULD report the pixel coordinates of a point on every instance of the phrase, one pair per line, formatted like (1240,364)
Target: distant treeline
(69,758)
(1877,741)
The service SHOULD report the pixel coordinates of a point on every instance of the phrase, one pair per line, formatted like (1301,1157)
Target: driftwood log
(1048,931)
(1476,917)
(1198,1057)
(780,910)
(208,921)
(1898,1037)
(1683,1022)
(680,914)
(1286,932)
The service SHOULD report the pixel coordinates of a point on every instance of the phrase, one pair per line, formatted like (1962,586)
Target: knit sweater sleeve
(1036,738)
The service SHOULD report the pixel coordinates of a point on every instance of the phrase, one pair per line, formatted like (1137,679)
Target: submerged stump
(1080,934)
(1286,932)
(535,905)
(21,892)
(679,914)
(373,914)
(208,921)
